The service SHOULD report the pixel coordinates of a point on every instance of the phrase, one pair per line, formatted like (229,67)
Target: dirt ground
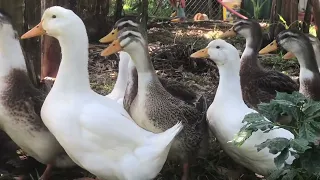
(170,46)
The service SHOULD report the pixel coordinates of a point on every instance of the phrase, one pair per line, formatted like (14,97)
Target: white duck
(119,88)
(20,104)
(228,109)
(96,132)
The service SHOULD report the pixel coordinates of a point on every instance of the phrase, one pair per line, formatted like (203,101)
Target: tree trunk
(307,18)
(289,11)
(32,16)
(118,12)
(316,15)
(144,14)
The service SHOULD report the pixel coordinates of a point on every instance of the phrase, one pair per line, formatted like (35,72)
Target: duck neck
(308,63)
(11,55)
(145,69)
(122,78)
(73,70)
(316,48)
(229,89)
(250,54)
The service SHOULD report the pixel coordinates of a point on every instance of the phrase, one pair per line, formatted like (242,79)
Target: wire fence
(209,7)
(163,10)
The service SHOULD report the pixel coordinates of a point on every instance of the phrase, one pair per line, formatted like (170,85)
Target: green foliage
(305,125)
(284,22)
(133,6)
(257,6)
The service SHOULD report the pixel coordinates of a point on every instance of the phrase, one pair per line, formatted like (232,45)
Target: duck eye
(218,47)
(54,16)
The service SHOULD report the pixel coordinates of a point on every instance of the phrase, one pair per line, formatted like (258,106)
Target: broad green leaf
(295,98)
(270,110)
(282,157)
(290,174)
(316,126)
(308,133)
(252,117)
(299,145)
(310,160)
(241,137)
(275,145)
(276,174)
(311,109)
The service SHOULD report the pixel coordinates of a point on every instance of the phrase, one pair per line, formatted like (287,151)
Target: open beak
(269,48)
(35,31)
(288,55)
(229,33)
(112,48)
(110,37)
(202,53)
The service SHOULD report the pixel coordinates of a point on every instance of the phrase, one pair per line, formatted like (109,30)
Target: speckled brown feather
(263,87)
(258,84)
(165,110)
(22,100)
(175,88)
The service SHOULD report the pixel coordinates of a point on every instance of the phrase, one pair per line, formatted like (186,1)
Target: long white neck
(11,55)
(122,79)
(229,89)
(73,71)
(144,67)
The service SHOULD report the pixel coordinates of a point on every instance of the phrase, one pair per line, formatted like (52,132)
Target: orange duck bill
(269,48)
(288,55)
(36,31)
(202,53)
(114,47)
(110,37)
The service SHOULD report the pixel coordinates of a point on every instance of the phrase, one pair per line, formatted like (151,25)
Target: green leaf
(276,174)
(282,157)
(290,174)
(310,161)
(252,117)
(311,109)
(241,137)
(283,21)
(270,110)
(308,133)
(295,97)
(275,145)
(299,145)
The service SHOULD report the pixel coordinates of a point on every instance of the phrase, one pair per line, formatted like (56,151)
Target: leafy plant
(257,6)
(305,126)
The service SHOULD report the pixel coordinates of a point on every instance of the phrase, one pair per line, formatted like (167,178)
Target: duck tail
(167,136)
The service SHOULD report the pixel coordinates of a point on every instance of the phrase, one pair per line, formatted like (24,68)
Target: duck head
(118,26)
(315,44)
(221,53)
(246,27)
(57,21)
(129,40)
(296,42)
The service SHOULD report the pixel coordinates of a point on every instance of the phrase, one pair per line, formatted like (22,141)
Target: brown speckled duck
(299,44)
(257,84)
(155,109)
(20,104)
(175,88)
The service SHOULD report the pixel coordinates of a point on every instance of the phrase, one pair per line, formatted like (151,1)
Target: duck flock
(130,133)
